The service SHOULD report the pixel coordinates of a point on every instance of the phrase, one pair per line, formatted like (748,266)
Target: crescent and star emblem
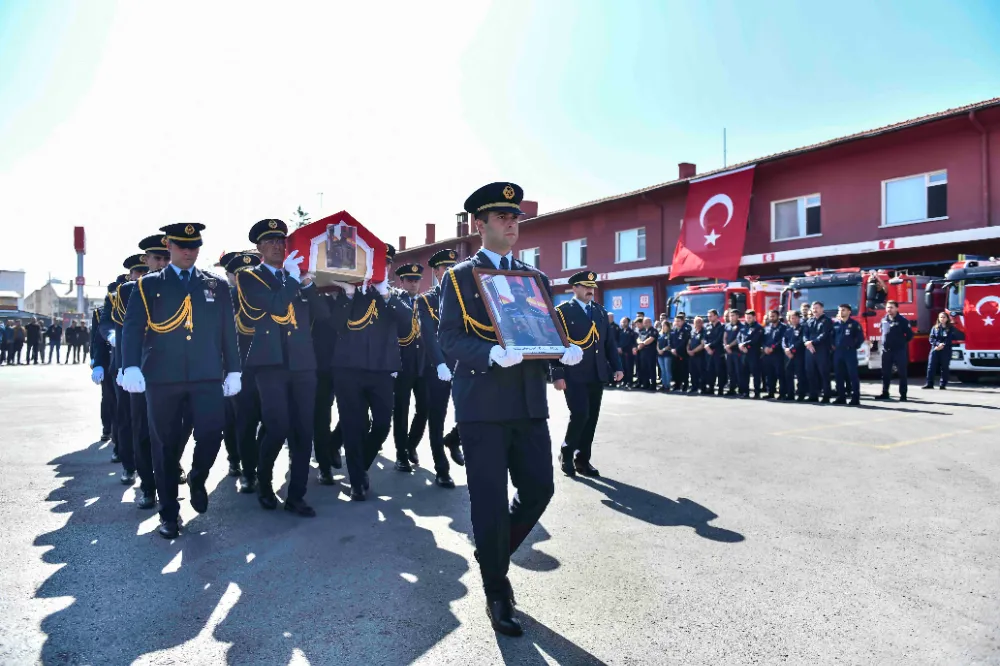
(718,199)
(987,320)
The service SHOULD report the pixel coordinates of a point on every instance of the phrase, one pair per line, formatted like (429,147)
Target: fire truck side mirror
(871,294)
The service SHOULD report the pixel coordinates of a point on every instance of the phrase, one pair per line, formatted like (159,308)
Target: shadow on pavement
(528,557)
(360,584)
(658,510)
(538,640)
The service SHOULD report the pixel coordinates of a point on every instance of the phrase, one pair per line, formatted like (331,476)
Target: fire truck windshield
(696,304)
(830,295)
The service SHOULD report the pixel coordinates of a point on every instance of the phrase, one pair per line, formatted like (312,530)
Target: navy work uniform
(179,331)
(795,363)
(940,359)
(586,326)
(100,356)
(819,331)
(627,340)
(368,327)
(696,360)
(284,364)
(752,336)
(847,338)
(410,381)
(773,368)
(679,337)
(715,363)
(502,415)
(896,336)
(734,364)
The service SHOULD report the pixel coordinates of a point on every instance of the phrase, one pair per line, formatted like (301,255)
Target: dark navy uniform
(627,340)
(179,330)
(502,415)
(818,331)
(100,356)
(896,336)
(795,364)
(696,360)
(410,380)
(679,337)
(326,443)
(715,363)
(587,327)
(734,364)
(773,367)
(847,338)
(940,360)
(751,335)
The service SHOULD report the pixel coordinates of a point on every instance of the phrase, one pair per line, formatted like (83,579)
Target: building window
(795,218)
(574,254)
(531,256)
(630,245)
(915,198)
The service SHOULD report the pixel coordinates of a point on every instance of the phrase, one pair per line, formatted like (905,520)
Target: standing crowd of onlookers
(24,344)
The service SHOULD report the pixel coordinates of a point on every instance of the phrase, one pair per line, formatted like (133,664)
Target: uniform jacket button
(189,337)
(473,372)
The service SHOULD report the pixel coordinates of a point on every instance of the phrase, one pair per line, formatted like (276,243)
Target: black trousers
(323,439)
(166,405)
(249,431)
(901,359)
(818,370)
(32,352)
(229,432)
(697,370)
(406,435)
(584,402)
(774,371)
(524,449)
(938,360)
(287,401)
(123,428)
(628,368)
(361,392)
(647,368)
(715,365)
(795,371)
(751,368)
(142,446)
(439,394)
(679,371)
(845,367)
(734,370)
(57,346)
(108,405)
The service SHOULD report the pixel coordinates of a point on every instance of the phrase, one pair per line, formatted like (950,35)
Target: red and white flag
(715,226)
(981,317)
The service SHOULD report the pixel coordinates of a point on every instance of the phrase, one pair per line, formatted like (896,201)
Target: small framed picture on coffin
(521,312)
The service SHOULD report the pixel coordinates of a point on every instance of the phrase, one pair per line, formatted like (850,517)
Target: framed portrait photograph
(522,313)
(341,247)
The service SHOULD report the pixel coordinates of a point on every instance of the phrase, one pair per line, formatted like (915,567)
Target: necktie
(185,275)
(589,316)
(504,264)
(280,274)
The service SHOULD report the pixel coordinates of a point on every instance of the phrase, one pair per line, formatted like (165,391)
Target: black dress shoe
(456,455)
(105,438)
(234,470)
(300,508)
(811,399)
(855,402)
(146,500)
(840,401)
(413,457)
(358,494)
(902,398)
(325,478)
(801,398)
(182,477)
(825,400)
(585,468)
(403,465)
(501,614)
(943,387)
(127,478)
(769,396)
(267,498)
(883,396)
(335,459)
(247,485)
(199,497)
(169,529)
(115,459)
(927,386)
(444,480)
(566,463)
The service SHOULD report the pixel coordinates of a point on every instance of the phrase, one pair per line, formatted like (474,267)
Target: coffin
(338,248)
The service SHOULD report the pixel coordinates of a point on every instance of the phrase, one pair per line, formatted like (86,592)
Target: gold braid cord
(242,328)
(430,309)
(288,318)
(588,340)
(182,316)
(477,328)
(414,331)
(118,311)
(366,319)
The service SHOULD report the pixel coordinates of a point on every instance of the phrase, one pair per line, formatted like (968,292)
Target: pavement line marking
(953,433)
(837,425)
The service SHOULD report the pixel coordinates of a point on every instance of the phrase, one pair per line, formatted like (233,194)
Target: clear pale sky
(124,116)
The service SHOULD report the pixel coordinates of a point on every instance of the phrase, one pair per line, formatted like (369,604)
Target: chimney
(429,237)
(402,244)
(530,209)
(686,170)
(461,224)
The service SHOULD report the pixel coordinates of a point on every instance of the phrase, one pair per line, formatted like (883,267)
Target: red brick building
(912,195)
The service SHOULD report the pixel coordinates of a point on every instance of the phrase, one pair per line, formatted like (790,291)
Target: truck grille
(985,362)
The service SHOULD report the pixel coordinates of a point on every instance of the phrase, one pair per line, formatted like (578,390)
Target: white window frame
(927,183)
(806,197)
(618,235)
(564,244)
(538,255)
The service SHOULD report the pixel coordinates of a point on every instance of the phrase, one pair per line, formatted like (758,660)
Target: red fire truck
(970,292)
(759,295)
(867,292)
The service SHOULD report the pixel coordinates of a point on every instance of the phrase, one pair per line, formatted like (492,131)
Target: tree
(300,218)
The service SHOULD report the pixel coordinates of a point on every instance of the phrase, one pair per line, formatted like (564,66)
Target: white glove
(383,287)
(111,338)
(505,358)
(572,355)
(395,374)
(349,289)
(97,376)
(291,265)
(118,379)
(133,381)
(232,385)
(444,374)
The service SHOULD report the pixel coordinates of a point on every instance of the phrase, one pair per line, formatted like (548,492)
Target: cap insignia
(189,230)
(246,259)
(590,276)
(413,268)
(508,193)
(273,224)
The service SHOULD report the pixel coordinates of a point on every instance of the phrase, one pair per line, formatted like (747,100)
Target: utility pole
(320,203)
(724,148)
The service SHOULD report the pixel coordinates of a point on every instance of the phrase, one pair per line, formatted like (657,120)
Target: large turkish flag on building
(715,226)
(981,317)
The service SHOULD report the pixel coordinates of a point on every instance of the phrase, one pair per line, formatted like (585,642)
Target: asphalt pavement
(721,532)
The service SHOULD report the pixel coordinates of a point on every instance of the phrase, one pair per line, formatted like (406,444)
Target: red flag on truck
(715,226)
(981,316)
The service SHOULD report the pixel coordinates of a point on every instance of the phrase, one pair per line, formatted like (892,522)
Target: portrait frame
(531,326)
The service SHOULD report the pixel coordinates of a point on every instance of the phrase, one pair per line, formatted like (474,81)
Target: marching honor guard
(179,344)
(102,375)
(500,404)
(410,378)
(282,302)
(586,324)
(229,434)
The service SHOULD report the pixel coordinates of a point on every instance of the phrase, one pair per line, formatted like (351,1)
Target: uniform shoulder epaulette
(212,276)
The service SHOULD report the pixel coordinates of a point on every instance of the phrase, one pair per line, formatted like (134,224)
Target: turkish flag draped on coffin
(981,316)
(715,226)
